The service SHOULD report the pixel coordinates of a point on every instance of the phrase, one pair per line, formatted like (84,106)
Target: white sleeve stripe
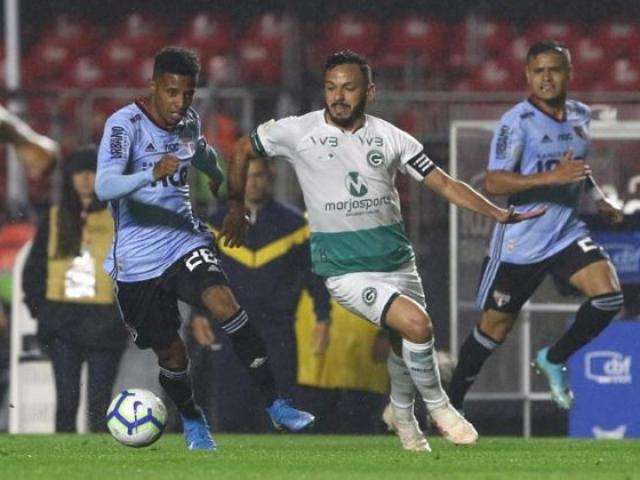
(421,164)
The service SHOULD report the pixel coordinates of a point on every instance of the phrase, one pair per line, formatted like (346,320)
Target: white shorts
(369,294)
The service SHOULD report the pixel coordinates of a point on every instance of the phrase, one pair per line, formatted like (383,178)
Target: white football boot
(404,423)
(453,426)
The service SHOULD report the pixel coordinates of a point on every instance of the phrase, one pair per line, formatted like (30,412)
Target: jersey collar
(141,103)
(363,127)
(534,104)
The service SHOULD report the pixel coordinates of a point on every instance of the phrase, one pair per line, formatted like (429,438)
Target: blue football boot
(556,374)
(284,415)
(197,434)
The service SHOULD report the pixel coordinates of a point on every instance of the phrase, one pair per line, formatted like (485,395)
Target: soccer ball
(136,417)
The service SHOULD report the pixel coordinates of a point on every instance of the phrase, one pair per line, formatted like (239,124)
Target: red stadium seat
(590,61)
(416,36)
(269,29)
(564,32)
(145,34)
(141,73)
(117,56)
(208,33)
(620,39)
(46,61)
(86,72)
(360,33)
(72,32)
(493,36)
(517,51)
(492,75)
(624,75)
(260,63)
(221,70)
(471,42)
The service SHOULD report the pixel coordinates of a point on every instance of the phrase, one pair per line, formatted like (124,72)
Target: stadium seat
(624,75)
(86,72)
(117,57)
(140,74)
(260,50)
(590,60)
(259,63)
(492,75)
(221,70)
(563,32)
(472,41)
(618,38)
(415,36)
(360,33)
(73,32)
(269,29)
(144,33)
(46,62)
(517,51)
(208,33)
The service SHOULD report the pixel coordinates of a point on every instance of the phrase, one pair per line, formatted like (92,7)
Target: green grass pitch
(94,457)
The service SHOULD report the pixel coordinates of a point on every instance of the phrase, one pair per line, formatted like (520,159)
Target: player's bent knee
(496,325)
(418,329)
(173,357)
(220,302)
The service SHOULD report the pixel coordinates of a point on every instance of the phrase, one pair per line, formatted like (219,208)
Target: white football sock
(421,361)
(403,391)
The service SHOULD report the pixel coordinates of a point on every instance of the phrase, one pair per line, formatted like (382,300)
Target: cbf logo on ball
(369,295)
(355,184)
(375,158)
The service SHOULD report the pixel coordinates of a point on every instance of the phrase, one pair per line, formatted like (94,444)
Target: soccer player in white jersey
(161,252)
(346,162)
(538,156)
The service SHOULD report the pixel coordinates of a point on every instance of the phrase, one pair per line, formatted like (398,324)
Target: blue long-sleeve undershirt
(112,184)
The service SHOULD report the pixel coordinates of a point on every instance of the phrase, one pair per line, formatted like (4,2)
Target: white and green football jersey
(348,183)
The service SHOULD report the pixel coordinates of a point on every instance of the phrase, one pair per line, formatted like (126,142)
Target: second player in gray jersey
(346,162)
(538,156)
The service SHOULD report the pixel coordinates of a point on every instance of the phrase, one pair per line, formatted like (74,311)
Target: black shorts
(150,308)
(505,287)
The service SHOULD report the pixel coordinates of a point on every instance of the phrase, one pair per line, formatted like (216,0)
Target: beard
(356,113)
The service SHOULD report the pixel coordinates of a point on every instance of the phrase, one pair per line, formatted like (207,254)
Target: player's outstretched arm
(235,223)
(568,170)
(462,195)
(37,153)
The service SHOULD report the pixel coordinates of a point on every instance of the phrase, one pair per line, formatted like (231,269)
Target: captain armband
(420,166)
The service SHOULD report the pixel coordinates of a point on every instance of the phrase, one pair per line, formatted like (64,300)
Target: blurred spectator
(69,294)
(269,273)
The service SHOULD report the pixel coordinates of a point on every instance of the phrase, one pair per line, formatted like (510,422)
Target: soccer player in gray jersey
(161,252)
(538,156)
(346,162)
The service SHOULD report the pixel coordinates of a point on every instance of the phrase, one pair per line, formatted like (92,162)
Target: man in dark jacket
(269,273)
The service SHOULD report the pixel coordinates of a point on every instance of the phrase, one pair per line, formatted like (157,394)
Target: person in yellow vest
(72,298)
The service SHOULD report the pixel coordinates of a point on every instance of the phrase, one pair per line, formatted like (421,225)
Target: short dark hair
(345,57)
(179,61)
(548,46)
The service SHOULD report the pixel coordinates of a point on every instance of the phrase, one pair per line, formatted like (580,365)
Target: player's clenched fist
(570,170)
(235,225)
(167,165)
